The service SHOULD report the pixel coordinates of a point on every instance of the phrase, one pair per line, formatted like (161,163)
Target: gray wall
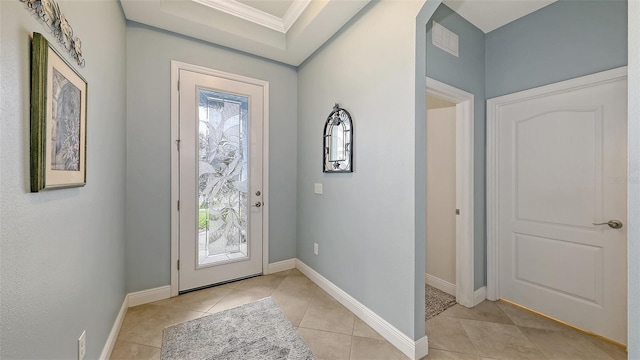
(148,208)
(466,72)
(420,161)
(633,217)
(364,223)
(562,41)
(62,250)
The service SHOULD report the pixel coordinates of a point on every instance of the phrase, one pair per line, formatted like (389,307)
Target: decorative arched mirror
(338,142)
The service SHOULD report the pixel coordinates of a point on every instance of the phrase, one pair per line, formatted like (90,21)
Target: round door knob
(258,204)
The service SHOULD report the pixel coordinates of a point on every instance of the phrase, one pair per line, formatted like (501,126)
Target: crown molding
(293,13)
(259,17)
(245,12)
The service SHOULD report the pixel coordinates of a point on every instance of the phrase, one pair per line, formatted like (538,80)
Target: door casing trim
(464,186)
(493,150)
(176,66)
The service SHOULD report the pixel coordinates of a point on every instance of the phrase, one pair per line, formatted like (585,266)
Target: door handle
(614,224)
(258,204)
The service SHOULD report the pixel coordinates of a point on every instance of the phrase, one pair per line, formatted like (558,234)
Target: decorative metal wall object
(337,142)
(49,13)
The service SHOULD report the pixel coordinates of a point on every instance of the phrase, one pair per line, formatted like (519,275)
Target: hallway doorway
(449,219)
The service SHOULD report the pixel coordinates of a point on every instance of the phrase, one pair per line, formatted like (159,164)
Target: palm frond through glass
(223,175)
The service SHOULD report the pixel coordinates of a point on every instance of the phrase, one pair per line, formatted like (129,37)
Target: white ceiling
(275,8)
(290,31)
(489,15)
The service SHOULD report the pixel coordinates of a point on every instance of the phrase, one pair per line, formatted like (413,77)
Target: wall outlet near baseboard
(82,345)
(315,248)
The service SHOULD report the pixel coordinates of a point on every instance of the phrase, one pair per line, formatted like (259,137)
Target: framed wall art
(58,120)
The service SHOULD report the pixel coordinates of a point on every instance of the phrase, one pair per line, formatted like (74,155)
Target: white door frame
(176,66)
(464,187)
(493,165)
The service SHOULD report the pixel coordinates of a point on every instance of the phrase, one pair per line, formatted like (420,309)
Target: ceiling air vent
(444,38)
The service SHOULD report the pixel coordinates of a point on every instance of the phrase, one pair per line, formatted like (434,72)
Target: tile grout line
(468,337)
(533,343)
(135,343)
(522,332)
(502,324)
(351,346)
(353,328)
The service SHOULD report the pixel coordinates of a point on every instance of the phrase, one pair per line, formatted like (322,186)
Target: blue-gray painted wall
(564,40)
(62,251)
(148,202)
(364,222)
(420,162)
(466,72)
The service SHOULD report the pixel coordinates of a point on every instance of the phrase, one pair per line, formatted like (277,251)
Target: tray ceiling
(289,31)
(283,30)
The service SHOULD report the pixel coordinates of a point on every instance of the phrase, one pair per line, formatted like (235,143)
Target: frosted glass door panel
(223,175)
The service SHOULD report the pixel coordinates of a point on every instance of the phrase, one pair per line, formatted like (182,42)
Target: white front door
(562,170)
(220,178)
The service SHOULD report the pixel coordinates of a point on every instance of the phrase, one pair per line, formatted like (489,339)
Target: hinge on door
(178,205)
(178,264)
(457,211)
(178,145)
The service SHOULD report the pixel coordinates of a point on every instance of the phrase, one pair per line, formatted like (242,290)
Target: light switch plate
(317,188)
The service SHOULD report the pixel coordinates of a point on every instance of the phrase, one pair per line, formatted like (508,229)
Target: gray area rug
(436,302)
(258,330)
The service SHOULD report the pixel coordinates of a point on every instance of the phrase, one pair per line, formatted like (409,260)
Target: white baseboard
(413,349)
(479,295)
(422,348)
(283,265)
(113,335)
(130,300)
(149,295)
(440,284)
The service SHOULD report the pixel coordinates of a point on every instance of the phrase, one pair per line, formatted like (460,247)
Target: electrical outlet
(82,346)
(315,248)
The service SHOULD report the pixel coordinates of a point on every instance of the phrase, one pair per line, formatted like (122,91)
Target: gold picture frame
(58,120)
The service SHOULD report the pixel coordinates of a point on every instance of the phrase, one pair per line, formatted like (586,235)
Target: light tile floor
(491,330)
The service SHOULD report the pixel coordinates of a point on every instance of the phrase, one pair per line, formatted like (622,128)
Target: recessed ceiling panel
(276,8)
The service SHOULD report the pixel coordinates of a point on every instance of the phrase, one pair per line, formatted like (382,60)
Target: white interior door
(220,179)
(563,169)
